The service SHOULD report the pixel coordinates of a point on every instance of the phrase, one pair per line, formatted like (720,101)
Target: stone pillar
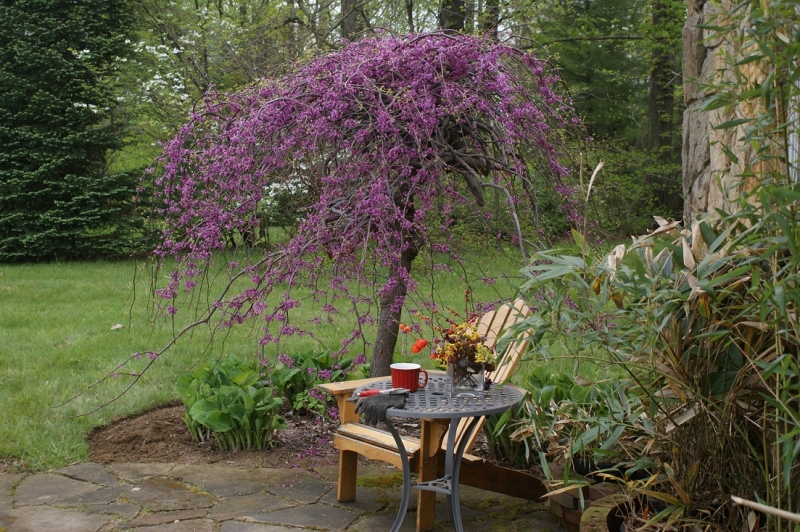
(710,177)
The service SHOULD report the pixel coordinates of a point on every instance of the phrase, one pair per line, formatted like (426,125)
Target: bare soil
(160,435)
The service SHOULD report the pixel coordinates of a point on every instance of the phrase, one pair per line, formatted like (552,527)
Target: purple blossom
(387,118)
(316,394)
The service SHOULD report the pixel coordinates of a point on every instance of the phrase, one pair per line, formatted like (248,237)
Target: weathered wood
(432,433)
(374,452)
(479,473)
(375,436)
(347,387)
(348,468)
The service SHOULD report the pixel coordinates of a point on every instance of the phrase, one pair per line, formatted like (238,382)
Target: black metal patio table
(434,403)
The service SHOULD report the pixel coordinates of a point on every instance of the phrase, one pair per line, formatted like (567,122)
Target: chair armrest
(347,387)
(341,391)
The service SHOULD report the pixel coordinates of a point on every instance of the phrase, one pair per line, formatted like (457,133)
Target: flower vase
(465,380)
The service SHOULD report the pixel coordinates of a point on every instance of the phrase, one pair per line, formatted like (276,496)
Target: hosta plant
(229,400)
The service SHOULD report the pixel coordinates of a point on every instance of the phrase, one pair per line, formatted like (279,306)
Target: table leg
(401,514)
(453,467)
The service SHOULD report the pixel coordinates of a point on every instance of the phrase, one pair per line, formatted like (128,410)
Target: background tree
(664,101)
(389,137)
(58,122)
(452,15)
(621,62)
(183,48)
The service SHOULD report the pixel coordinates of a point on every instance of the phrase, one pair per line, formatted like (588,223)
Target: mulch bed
(160,435)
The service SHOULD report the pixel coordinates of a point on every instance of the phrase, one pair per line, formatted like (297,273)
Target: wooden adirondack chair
(426,455)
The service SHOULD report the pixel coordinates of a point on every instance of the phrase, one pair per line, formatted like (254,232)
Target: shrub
(229,399)
(300,374)
(702,320)
(563,419)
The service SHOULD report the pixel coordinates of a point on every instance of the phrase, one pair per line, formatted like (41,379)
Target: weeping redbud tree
(386,138)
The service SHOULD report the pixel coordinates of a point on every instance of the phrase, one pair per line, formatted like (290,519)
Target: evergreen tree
(58,122)
(598,47)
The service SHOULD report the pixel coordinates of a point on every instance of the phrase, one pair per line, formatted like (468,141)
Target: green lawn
(56,341)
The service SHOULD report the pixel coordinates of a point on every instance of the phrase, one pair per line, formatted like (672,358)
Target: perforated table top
(432,402)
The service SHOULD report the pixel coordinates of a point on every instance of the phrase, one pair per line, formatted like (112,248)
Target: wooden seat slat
(376,436)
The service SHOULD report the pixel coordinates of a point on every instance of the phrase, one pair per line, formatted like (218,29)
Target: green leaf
(501,423)
(245,378)
(714,102)
(613,437)
(207,414)
(736,273)
(708,235)
(732,123)
(749,59)
(787,193)
(238,412)
(780,299)
(581,241)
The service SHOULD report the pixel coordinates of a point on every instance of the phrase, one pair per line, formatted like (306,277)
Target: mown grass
(57,342)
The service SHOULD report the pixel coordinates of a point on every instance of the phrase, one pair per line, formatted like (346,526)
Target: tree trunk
(662,119)
(661,96)
(410,15)
(350,27)
(452,15)
(389,320)
(392,300)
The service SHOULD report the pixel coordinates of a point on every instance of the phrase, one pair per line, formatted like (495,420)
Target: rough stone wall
(709,177)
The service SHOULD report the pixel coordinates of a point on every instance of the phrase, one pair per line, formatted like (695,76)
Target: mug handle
(426,378)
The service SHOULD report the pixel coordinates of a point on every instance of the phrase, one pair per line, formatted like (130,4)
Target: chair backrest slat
(491,325)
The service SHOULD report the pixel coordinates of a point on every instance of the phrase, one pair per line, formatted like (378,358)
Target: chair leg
(431,436)
(426,501)
(348,467)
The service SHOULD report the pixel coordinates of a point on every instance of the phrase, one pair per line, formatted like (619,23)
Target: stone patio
(89,497)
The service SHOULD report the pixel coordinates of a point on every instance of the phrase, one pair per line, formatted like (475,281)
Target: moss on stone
(382,481)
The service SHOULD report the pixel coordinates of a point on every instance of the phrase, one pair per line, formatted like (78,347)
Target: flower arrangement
(462,345)
(462,351)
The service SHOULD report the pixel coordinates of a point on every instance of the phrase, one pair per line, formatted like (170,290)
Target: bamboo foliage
(702,319)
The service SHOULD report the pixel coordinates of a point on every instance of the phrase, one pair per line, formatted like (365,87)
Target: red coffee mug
(406,375)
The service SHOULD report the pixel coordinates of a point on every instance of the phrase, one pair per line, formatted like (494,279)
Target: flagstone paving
(90,497)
